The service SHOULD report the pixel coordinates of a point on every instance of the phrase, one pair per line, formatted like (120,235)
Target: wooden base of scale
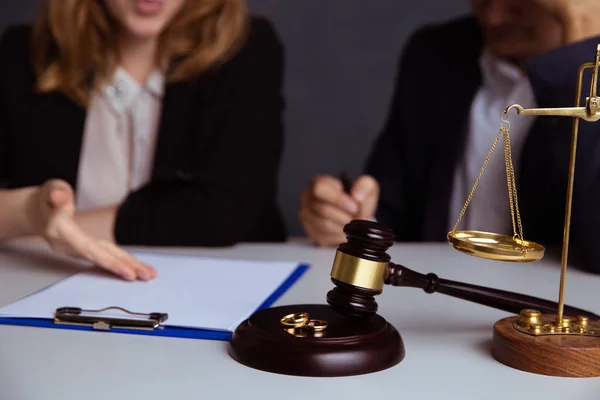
(555,355)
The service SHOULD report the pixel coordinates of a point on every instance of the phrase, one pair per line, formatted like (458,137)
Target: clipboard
(139,322)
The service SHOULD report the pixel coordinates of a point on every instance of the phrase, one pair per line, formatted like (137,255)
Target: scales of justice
(347,336)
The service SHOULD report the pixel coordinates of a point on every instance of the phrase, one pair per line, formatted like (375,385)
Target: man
(453,83)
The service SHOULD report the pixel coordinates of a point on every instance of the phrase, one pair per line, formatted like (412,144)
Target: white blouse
(119,140)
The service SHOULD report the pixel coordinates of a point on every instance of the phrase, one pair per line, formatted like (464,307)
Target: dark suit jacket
(415,156)
(219,145)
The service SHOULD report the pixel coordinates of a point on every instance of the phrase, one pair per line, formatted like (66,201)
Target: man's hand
(325,208)
(580,18)
(52,212)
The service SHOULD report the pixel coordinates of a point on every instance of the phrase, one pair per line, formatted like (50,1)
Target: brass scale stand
(544,344)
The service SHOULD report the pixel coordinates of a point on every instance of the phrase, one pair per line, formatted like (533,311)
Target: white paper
(196,292)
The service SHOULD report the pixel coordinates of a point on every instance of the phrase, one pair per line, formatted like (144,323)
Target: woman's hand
(52,211)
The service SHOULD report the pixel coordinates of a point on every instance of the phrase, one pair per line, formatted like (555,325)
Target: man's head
(518,29)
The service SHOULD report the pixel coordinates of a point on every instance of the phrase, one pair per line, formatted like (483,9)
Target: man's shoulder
(459,36)
(455,26)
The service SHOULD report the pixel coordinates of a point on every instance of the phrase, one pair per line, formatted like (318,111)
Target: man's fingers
(325,208)
(329,240)
(366,191)
(329,212)
(330,190)
(323,238)
(318,215)
(320,226)
(364,187)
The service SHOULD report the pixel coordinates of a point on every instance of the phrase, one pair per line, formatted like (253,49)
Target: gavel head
(360,268)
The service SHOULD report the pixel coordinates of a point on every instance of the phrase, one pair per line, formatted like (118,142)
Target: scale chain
(510,180)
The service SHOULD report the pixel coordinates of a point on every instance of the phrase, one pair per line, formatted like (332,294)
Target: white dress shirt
(503,84)
(119,140)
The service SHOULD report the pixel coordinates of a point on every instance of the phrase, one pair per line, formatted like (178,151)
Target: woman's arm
(227,192)
(98,222)
(48,211)
(16,208)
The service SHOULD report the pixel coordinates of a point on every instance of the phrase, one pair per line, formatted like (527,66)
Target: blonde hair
(74,43)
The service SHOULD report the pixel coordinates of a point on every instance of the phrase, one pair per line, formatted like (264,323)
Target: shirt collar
(156,83)
(122,90)
(498,72)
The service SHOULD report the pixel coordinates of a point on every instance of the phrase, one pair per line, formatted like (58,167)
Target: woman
(163,116)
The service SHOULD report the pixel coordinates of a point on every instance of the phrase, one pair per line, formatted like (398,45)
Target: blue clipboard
(166,330)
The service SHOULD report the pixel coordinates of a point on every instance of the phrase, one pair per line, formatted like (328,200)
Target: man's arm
(387,162)
(546,157)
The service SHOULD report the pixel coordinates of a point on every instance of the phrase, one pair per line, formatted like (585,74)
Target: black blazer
(218,152)
(415,156)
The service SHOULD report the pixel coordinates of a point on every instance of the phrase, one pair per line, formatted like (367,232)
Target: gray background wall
(341,57)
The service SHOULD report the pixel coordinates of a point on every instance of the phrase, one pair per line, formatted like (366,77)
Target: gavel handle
(399,275)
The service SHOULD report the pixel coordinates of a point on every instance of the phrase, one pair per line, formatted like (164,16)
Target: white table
(448,341)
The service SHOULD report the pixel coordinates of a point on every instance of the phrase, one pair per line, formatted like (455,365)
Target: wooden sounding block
(347,346)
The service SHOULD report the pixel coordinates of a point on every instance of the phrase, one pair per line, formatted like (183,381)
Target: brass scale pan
(495,246)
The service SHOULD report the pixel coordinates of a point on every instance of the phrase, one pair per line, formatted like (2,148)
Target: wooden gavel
(362,267)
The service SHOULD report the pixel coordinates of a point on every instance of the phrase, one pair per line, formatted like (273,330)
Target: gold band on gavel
(359,272)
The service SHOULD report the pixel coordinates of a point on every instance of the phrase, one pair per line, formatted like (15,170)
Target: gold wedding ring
(295,320)
(300,325)
(296,332)
(315,325)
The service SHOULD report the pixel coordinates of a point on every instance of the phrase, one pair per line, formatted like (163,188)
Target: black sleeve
(389,161)
(546,155)
(15,68)
(5,52)
(3,139)
(233,193)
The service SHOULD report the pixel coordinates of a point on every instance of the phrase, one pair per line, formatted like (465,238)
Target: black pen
(346,181)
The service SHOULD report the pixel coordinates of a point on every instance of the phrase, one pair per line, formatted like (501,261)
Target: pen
(347,184)
(346,181)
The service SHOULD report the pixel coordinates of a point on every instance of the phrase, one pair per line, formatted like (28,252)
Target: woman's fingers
(94,252)
(143,271)
(58,226)
(73,240)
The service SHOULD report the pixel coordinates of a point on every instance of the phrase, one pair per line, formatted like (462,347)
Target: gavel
(362,267)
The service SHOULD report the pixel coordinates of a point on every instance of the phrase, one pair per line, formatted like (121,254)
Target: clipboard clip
(95,319)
